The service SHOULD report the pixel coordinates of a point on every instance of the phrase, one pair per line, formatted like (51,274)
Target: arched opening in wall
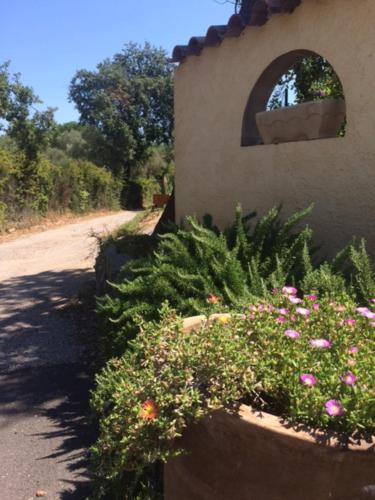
(299,97)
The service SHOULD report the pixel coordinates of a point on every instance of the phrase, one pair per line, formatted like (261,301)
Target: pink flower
(348,378)
(321,343)
(373,301)
(290,290)
(295,300)
(362,310)
(281,319)
(252,308)
(354,349)
(308,379)
(316,307)
(275,290)
(302,311)
(312,297)
(283,311)
(372,323)
(293,318)
(350,322)
(292,334)
(369,315)
(334,408)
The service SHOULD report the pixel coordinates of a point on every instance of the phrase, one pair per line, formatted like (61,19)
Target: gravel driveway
(43,379)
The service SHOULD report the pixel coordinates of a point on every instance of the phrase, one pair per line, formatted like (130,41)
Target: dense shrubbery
(236,265)
(73,185)
(307,359)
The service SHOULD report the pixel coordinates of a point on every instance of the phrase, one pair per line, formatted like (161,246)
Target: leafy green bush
(149,187)
(308,360)
(236,265)
(74,185)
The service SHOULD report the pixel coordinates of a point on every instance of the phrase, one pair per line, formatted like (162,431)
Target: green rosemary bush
(189,265)
(234,266)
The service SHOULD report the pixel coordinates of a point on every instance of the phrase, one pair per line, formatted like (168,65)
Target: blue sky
(48,40)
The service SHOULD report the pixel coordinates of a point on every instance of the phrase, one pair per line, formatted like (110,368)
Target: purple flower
(321,343)
(369,315)
(292,334)
(354,349)
(348,378)
(289,290)
(334,408)
(373,301)
(363,310)
(350,322)
(283,311)
(302,311)
(308,379)
(312,297)
(316,307)
(280,319)
(295,300)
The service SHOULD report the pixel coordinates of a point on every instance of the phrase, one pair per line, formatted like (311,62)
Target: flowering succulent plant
(328,356)
(309,365)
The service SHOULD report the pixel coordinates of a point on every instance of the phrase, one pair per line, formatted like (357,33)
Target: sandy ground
(43,382)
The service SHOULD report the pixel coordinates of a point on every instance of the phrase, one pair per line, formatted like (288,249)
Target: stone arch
(262,91)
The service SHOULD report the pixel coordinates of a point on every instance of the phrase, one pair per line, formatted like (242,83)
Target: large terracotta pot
(252,456)
(307,121)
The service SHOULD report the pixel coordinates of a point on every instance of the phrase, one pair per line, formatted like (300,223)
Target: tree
(29,128)
(128,100)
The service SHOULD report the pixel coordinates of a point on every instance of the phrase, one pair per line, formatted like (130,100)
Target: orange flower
(212,299)
(149,410)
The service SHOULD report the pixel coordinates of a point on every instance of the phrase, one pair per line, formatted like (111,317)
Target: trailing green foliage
(179,371)
(236,265)
(308,360)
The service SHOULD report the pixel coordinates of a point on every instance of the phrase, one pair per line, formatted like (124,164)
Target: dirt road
(43,380)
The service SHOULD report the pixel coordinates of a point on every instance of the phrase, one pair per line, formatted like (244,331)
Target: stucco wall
(214,173)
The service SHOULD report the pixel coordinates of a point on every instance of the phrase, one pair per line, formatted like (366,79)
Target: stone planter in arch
(252,456)
(303,122)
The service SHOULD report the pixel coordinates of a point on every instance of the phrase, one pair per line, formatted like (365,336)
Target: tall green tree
(128,100)
(28,127)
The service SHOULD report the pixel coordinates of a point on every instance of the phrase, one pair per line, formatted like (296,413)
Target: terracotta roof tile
(258,13)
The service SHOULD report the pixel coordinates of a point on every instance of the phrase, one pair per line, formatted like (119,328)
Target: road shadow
(45,369)
(36,325)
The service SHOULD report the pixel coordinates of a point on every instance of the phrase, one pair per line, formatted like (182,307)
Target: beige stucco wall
(214,173)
